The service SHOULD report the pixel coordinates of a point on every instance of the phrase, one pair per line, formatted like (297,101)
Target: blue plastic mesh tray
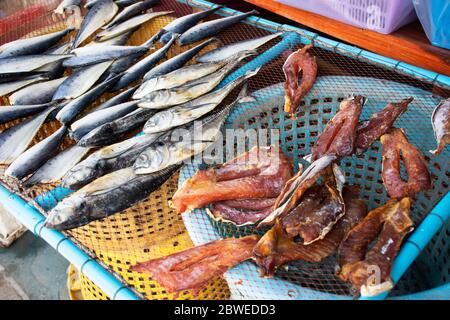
(312,280)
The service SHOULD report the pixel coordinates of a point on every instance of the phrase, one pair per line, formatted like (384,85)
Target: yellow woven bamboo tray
(149,229)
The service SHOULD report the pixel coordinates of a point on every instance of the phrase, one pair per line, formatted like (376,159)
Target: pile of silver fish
(109,167)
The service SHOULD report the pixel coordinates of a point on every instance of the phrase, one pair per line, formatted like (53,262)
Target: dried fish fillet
(396,147)
(238,216)
(380,122)
(297,61)
(338,138)
(295,188)
(318,211)
(369,271)
(193,268)
(250,204)
(441,125)
(263,177)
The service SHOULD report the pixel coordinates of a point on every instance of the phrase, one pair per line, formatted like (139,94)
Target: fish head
(152,159)
(166,37)
(80,175)
(157,97)
(148,86)
(158,122)
(66,213)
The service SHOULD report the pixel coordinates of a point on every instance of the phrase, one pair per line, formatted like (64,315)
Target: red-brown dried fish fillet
(379,123)
(369,271)
(396,147)
(193,268)
(239,217)
(249,204)
(219,184)
(300,60)
(276,249)
(338,138)
(248,164)
(441,125)
(296,187)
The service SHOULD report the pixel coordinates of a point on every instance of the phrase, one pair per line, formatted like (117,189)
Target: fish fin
(308,158)
(251,73)
(247,99)
(243,96)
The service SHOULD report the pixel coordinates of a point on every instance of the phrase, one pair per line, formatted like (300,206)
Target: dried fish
(396,147)
(441,125)
(297,61)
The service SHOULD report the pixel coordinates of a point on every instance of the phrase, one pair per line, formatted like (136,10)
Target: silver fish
(210,28)
(231,49)
(121,3)
(440,119)
(94,54)
(31,46)
(32,159)
(104,197)
(9,87)
(177,61)
(170,97)
(180,25)
(16,76)
(131,11)
(125,3)
(117,99)
(80,81)
(178,77)
(122,64)
(38,93)
(113,131)
(62,48)
(90,3)
(28,63)
(192,110)
(100,14)
(55,69)
(55,168)
(67,114)
(136,71)
(129,24)
(169,152)
(9,113)
(65,5)
(106,160)
(15,140)
(97,118)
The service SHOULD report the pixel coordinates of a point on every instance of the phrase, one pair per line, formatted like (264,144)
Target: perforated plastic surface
(296,138)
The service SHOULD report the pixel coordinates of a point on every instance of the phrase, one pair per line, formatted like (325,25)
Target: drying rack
(116,288)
